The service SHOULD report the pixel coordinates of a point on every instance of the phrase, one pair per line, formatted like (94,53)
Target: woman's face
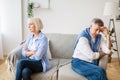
(31,27)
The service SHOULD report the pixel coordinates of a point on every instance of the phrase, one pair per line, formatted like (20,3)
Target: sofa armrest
(13,57)
(103,62)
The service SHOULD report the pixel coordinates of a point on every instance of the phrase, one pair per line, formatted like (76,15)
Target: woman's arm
(41,49)
(25,51)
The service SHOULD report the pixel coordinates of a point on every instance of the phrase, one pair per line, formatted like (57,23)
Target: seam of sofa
(59,66)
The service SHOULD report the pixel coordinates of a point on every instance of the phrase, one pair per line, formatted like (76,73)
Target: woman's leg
(25,65)
(19,69)
(26,73)
(90,71)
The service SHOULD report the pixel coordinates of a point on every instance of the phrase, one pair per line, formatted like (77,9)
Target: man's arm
(105,31)
(106,46)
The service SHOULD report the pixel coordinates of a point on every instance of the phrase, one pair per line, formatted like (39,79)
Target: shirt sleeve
(84,47)
(104,47)
(23,50)
(41,49)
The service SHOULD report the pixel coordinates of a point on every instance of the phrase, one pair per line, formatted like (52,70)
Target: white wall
(68,16)
(10,12)
(1,47)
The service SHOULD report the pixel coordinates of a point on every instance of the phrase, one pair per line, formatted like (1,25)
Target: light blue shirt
(41,45)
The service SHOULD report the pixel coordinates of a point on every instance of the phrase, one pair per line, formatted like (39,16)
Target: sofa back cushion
(61,45)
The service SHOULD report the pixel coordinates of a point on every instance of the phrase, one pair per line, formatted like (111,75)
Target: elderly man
(90,46)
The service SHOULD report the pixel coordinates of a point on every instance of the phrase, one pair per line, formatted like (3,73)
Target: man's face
(94,30)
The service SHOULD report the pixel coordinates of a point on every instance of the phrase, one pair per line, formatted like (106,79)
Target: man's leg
(90,71)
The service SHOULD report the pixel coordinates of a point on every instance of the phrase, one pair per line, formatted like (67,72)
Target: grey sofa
(61,48)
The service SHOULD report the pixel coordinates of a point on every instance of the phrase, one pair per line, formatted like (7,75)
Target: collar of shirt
(39,36)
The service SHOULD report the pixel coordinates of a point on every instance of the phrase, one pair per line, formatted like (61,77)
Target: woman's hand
(30,53)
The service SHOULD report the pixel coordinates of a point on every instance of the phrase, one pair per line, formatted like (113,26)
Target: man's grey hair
(97,21)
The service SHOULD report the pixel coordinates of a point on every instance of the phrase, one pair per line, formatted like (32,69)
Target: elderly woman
(34,52)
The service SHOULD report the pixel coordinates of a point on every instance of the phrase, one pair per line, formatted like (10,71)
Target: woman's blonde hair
(37,22)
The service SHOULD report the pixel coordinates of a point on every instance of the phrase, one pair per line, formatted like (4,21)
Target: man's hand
(101,54)
(104,30)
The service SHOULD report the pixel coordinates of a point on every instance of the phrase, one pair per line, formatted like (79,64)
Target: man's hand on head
(104,30)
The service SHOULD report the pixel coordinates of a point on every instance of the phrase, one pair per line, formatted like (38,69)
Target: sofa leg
(109,58)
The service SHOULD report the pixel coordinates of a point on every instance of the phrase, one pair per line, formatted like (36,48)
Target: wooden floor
(113,70)
(4,73)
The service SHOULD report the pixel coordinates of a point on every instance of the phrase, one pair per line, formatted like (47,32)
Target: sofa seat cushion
(51,74)
(66,72)
(63,62)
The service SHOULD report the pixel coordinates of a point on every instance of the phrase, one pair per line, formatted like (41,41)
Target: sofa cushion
(63,62)
(61,45)
(51,74)
(66,72)
(48,50)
